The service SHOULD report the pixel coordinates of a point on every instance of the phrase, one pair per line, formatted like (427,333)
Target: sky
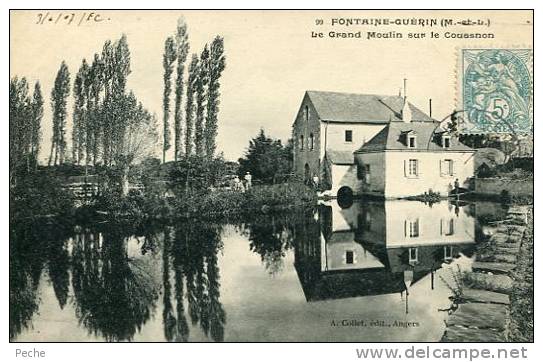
(271,59)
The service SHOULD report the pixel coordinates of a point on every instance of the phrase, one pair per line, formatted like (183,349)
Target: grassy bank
(521,328)
(204,204)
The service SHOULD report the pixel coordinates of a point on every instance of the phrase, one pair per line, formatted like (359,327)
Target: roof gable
(361,108)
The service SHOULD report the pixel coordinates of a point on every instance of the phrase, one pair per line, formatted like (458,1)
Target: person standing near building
(248,180)
(315,181)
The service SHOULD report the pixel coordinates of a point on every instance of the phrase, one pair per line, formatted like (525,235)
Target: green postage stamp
(496,90)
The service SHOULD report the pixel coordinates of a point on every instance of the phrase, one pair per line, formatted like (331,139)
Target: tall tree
(94,131)
(217,63)
(37,115)
(189,104)
(106,110)
(80,113)
(167,62)
(138,138)
(120,114)
(182,52)
(59,97)
(201,86)
(20,126)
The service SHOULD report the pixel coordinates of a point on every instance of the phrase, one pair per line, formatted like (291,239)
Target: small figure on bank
(248,180)
(315,181)
(238,185)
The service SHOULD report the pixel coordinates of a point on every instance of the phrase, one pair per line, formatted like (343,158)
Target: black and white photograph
(271,176)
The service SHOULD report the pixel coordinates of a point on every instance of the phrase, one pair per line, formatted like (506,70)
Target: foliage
(189,104)
(521,328)
(80,112)
(267,159)
(37,195)
(169,57)
(59,98)
(202,81)
(193,173)
(181,39)
(217,63)
(25,116)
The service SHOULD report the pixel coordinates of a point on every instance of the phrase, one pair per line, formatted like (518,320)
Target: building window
(348,135)
(302,142)
(413,255)
(447,168)
(306,113)
(411,141)
(349,257)
(446,142)
(447,252)
(412,228)
(450,228)
(413,168)
(311,142)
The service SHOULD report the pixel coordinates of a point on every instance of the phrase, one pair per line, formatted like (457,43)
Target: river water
(366,271)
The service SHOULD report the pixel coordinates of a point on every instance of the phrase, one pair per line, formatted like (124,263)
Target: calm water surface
(370,271)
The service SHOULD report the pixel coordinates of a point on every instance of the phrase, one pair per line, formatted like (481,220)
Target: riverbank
(494,301)
(207,204)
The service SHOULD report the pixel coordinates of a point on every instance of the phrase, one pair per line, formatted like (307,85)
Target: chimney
(406,110)
(430,107)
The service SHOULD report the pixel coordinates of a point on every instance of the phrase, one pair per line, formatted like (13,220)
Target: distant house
(378,145)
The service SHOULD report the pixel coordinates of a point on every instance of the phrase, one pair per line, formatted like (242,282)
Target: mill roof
(362,108)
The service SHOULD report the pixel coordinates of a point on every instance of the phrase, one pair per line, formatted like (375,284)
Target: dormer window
(409,138)
(411,141)
(446,141)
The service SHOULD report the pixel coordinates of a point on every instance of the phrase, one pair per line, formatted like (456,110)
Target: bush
(38,195)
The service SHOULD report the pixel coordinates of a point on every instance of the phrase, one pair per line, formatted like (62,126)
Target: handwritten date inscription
(70,18)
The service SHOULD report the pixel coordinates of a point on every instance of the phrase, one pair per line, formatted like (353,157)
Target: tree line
(25,115)
(109,125)
(195,131)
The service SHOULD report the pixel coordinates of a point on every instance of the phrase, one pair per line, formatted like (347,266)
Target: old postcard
(271,176)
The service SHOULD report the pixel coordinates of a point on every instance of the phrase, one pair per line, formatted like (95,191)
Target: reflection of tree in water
(25,266)
(191,249)
(271,236)
(34,246)
(114,294)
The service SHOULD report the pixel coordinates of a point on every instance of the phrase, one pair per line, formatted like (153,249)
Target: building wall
(433,224)
(377,164)
(335,135)
(336,255)
(345,175)
(398,184)
(305,127)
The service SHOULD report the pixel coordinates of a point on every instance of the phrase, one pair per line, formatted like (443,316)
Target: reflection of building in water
(378,248)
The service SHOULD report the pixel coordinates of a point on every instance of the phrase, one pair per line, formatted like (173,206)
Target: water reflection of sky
(263,280)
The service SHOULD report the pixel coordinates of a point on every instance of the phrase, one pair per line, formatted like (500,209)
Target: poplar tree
(217,63)
(189,104)
(201,86)
(94,123)
(182,52)
(19,126)
(105,112)
(167,62)
(37,115)
(80,113)
(59,97)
